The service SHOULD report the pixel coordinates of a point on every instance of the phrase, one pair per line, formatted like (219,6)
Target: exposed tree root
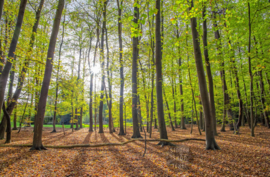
(164,141)
(38,148)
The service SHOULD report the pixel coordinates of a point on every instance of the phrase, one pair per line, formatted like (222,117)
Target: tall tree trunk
(37,140)
(11,53)
(102,68)
(210,138)
(151,65)
(136,131)
(91,86)
(145,96)
(57,75)
(160,111)
(15,97)
(109,85)
(252,124)
(262,93)
(209,73)
(227,108)
(119,4)
(182,126)
(78,81)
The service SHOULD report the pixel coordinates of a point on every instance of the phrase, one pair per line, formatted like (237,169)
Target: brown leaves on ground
(240,155)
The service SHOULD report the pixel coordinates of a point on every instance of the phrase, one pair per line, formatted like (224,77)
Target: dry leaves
(240,155)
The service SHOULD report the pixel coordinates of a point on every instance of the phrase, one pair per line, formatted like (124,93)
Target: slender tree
(57,74)
(136,128)
(208,71)
(37,140)
(102,68)
(119,5)
(11,53)
(209,130)
(160,111)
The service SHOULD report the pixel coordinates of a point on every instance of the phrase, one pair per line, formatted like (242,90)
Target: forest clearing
(240,155)
(134,88)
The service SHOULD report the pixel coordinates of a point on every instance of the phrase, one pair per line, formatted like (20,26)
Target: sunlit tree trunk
(11,54)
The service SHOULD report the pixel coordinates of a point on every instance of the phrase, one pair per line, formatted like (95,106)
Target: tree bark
(57,75)
(209,72)
(210,138)
(121,131)
(136,131)
(109,86)
(252,124)
(160,111)
(37,140)
(102,68)
(227,108)
(15,120)
(11,53)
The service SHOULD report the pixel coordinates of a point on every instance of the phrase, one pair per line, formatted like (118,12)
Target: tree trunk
(136,131)
(109,86)
(223,80)
(57,75)
(121,131)
(15,120)
(209,73)
(252,124)
(262,93)
(210,138)
(8,137)
(151,65)
(102,68)
(91,87)
(37,140)
(11,53)
(161,121)
(21,78)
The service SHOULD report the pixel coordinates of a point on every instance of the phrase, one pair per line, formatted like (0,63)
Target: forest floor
(240,155)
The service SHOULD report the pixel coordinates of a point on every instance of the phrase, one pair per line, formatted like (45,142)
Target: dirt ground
(240,155)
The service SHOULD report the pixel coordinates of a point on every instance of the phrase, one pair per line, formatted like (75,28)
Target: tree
(37,140)
(135,51)
(12,49)
(160,112)
(119,4)
(208,71)
(102,68)
(57,76)
(209,129)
